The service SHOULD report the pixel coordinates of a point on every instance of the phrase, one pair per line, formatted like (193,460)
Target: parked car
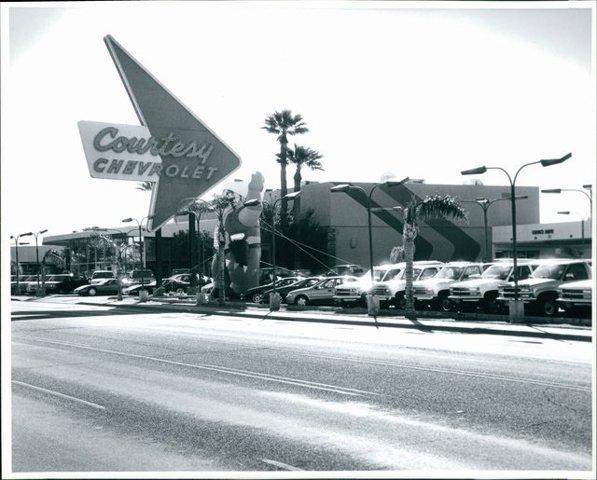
(24,281)
(135,277)
(283,291)
(177,283)
(539,292)
(391,290)
(320,293)
(179,271)
(347,269)
(135,289)
(105,286)
(576,297)
(99,275)
(435,292)
(256,294)
(482,291)
(59,283)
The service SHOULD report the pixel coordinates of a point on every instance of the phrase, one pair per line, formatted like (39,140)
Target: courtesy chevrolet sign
(129,152)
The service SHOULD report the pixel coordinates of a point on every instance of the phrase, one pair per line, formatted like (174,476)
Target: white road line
(61,395)
(285,466)
(231,371)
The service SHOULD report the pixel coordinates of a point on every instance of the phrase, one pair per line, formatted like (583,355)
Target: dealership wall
(346,215)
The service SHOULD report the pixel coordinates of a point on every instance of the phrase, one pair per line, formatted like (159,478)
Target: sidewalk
(493,327)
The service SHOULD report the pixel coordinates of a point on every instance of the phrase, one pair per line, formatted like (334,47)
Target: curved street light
(480,170)
(16,239)
(141,243)
(586,187)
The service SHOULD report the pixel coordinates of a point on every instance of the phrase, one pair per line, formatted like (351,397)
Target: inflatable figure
(243,237)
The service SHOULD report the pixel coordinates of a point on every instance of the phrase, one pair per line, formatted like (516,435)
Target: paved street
(97,389)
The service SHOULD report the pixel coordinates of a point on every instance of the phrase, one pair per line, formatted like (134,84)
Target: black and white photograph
(298,239)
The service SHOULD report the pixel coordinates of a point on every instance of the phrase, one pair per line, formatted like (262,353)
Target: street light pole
(346,187)
(588,195)
(485,203)
(37,255)
(16,239)
(480,170)
(141,244)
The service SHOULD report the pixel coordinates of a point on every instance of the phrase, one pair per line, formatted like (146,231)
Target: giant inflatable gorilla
(243,237)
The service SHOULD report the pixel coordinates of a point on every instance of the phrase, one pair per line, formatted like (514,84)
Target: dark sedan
(177,283)
(257,294)
(108,286)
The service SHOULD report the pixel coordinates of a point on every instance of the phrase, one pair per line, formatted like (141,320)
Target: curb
(375,323)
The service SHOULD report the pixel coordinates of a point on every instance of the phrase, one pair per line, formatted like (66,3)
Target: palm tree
(432,207)
(303,156)
(284,124)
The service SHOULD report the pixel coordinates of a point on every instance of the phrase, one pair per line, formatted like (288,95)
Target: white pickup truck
(392,291)
(539,292)
(435,291)
(482,291)
(576,297)
(356,292)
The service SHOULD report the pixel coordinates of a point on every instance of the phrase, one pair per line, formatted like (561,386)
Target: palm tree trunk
(409,233)
(283,183)
(297,188)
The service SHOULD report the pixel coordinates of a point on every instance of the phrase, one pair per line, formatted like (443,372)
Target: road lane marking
(232,371)
(61,395)
(285,466)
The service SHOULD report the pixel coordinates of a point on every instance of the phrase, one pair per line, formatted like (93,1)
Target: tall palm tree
(432,207)
(307,157)
(284,124)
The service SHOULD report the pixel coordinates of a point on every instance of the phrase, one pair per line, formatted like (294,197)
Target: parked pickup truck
(482,291)
(539,292)
(435,292)
(392,291)
(356,292)
(576,297)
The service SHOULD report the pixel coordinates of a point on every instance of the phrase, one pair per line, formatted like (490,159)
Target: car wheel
(400,301)
(301,301)
(257,297)
(92,292)
(549,307)
(445,304)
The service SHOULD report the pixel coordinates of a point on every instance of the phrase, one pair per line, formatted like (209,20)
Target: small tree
(432,207)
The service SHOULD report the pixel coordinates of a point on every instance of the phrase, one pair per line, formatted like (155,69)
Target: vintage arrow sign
(194,159)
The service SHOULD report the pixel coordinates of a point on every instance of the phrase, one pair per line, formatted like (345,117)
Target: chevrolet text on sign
(129,152)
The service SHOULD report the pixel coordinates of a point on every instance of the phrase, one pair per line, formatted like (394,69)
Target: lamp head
(26,234)
(395,183)
(42,232)
(292,196)
(564,212)
(588,186)
(551,190)
(474,171)
(127,220)
(344,187)
(555,161)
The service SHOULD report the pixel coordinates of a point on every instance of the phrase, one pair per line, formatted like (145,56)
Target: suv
(391,290)
(356,292)
(540,291)
(482,291)
(320,293)
(60,283)
(435,292)
(347,269)
(576,297)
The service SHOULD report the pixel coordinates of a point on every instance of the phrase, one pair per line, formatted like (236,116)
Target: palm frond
(437,206)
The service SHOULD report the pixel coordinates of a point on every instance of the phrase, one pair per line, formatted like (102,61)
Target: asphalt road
(98,390)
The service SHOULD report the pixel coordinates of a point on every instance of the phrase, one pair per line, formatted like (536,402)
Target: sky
(383,87)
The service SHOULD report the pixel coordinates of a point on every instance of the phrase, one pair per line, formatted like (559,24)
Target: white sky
(422,93)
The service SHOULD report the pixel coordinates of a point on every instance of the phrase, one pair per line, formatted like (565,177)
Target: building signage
(172,147)
(129,152)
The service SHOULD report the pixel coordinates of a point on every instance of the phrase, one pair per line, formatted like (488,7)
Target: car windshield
(452,273)
(554,272)
(391,274)
(379,274)
(500,272)
(102,275)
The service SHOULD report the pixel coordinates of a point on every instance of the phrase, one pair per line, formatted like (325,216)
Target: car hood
(479,282)
(300,290)
(434,283)
(580,284)
(534,282)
